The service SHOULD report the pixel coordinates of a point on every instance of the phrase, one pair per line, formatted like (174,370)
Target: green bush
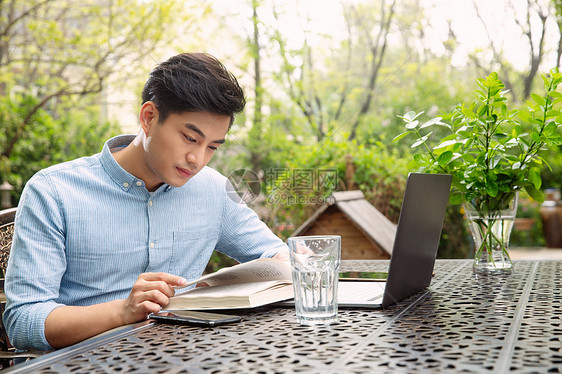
(380,172)
(377,172)
(44,141)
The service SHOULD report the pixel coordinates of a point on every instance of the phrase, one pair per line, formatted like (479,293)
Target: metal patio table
(461,323)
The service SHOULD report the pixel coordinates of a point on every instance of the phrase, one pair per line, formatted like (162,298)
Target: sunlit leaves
(421,140)
(487,151)
(434,121)
(538,99)
(400,136)
(412,125)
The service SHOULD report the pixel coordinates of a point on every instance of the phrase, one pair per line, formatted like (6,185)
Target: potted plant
(491,151)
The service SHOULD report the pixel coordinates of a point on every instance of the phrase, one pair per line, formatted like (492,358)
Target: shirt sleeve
(36,265)
(244,236)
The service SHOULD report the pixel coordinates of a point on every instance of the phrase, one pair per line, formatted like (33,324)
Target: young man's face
(176,150)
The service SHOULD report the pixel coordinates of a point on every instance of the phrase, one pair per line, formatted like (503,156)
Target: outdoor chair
(7,352)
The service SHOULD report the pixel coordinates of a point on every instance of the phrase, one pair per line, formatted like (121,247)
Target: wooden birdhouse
(365,232)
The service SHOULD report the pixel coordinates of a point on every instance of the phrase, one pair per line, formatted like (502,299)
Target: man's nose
(196,156)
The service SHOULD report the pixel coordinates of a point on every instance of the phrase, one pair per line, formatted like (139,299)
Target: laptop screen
(417,235)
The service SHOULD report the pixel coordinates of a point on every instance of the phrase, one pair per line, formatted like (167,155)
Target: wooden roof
(362,213)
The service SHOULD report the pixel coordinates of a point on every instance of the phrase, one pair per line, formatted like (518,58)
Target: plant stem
(535,147)
(429,151)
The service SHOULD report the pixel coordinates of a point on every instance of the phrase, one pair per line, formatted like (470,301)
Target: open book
(247,285)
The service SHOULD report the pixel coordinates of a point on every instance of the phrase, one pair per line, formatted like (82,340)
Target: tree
(53,49)
(55,59)
(533,23)
(376,36)
(256,136)
(309,79)
(558,9)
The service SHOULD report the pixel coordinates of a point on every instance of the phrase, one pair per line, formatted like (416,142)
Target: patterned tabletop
(461,323)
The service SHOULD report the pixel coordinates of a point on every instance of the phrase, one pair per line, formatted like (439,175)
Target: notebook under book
(415,246)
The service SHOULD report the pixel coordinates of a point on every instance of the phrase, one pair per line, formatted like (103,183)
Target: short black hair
(193,82)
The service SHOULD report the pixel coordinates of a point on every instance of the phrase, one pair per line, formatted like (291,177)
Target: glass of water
(315,263)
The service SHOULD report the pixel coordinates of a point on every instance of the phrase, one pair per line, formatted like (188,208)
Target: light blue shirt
(86,229)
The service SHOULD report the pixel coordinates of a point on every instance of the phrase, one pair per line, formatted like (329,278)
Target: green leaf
(411,115)
(455,199)
(516,130)
(503,109)
(420,141)
(468,112)
(482,83)
(495,161)
(535,177)
(534,193)
(494,90)
(480,95)
(546,81)
(431,122)
(549,129)
(500,135)
(401,136)
(525,115)
(445,144)
(492,190)
(555,140)
(513,142)
(444,158)
(538,99)
(412,125)
(420,158)
(482,110)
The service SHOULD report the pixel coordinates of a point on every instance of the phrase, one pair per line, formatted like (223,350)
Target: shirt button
(151,244)
(150,203)
(125,184)
(139,183)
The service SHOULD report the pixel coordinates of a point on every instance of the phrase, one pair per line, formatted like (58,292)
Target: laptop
(415,246)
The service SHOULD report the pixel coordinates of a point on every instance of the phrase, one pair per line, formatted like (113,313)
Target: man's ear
(148,116)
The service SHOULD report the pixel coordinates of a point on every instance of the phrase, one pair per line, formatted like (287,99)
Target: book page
(229,290)
(262,269)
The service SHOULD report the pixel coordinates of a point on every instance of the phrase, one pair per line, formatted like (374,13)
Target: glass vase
(491,221)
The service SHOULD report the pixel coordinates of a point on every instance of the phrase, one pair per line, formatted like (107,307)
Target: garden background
(325,82)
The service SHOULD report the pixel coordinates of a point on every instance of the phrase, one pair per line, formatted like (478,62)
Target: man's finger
(172,280)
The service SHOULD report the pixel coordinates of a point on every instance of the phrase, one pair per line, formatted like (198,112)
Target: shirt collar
(120,176)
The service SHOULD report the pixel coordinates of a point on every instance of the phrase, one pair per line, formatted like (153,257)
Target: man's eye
(213,148)
(188,138)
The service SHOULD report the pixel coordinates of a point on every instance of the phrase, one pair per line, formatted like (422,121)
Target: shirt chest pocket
(191,252)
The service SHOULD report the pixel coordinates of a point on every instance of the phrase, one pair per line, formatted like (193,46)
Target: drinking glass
(315,262)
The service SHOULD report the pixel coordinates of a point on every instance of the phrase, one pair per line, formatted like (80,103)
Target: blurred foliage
(218,261)
(93,39)
(47,141)
(56,58)
(379,171)
(324,88)
(486,150)
(551,174)
(416,85)
(528,228)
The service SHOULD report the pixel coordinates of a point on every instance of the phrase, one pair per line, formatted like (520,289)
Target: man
(101,241)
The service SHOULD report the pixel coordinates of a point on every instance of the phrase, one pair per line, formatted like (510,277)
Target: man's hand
(282,255)
(150,293)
